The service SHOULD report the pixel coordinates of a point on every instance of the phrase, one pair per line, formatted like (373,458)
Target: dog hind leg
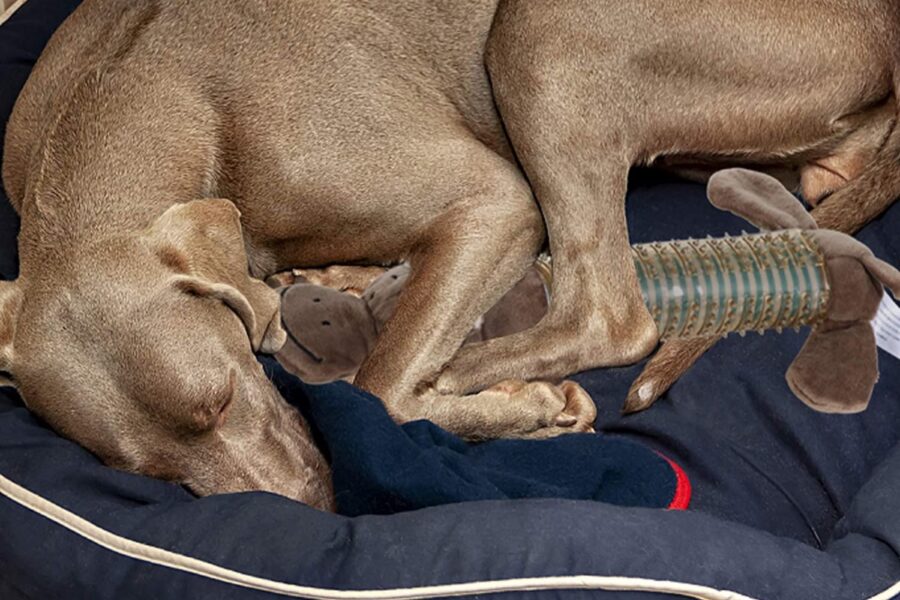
(571,136)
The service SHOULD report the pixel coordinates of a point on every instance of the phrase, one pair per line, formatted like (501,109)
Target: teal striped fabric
(715,286)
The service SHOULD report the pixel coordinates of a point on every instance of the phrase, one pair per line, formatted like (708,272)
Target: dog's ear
(201,242)
(10,306)
(759,198)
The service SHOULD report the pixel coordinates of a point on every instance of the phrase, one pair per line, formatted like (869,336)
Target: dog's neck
(105,166)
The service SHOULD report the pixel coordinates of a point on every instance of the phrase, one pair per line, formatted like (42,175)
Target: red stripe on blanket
(682,497)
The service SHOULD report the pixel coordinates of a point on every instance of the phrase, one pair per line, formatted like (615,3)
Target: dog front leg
(475,252)
(597,316)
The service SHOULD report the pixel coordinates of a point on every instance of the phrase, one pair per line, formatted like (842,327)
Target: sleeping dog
(164,157)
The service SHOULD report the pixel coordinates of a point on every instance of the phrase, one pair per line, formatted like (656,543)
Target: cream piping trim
(9,11)
(889,594)
(178,562)
(165,558)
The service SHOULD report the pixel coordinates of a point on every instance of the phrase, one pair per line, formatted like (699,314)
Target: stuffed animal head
(331,332)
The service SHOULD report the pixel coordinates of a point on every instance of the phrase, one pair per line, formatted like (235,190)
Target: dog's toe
(576,415)
(580,410)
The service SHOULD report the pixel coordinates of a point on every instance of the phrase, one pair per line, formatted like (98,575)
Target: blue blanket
(382,468)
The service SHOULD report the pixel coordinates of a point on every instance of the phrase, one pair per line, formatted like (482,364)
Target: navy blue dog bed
(787,503)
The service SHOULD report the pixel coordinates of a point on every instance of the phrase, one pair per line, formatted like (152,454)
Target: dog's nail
(564,420)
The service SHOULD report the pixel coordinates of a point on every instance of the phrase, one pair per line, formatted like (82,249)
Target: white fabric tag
(887,326)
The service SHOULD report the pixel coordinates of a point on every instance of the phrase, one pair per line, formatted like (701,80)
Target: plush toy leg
(836,369)
(838,366)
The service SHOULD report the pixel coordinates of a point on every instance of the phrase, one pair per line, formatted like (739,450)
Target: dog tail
(868,195)
(875,189)
(674,357)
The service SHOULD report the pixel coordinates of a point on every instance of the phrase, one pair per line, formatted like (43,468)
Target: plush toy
(330,332)
(793,275)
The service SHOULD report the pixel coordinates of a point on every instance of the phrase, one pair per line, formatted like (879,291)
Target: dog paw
(550,410)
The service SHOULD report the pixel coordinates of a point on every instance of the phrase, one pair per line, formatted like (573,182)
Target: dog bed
(787,503)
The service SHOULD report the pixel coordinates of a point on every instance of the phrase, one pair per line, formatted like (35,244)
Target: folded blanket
(381,468)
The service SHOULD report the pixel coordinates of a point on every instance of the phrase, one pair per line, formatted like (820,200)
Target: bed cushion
(787,503)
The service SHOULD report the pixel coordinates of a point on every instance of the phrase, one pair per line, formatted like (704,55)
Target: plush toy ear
(759,198)
(10,306)
(202,240)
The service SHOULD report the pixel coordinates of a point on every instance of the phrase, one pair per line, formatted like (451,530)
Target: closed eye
(225,408)
(228,295)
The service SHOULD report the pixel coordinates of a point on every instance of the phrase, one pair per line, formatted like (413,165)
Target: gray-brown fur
(835,371)
(457,136)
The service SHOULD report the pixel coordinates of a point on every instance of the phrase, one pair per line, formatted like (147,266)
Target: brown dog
(370,132)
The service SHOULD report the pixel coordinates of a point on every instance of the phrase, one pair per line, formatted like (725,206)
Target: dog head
(141,348)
